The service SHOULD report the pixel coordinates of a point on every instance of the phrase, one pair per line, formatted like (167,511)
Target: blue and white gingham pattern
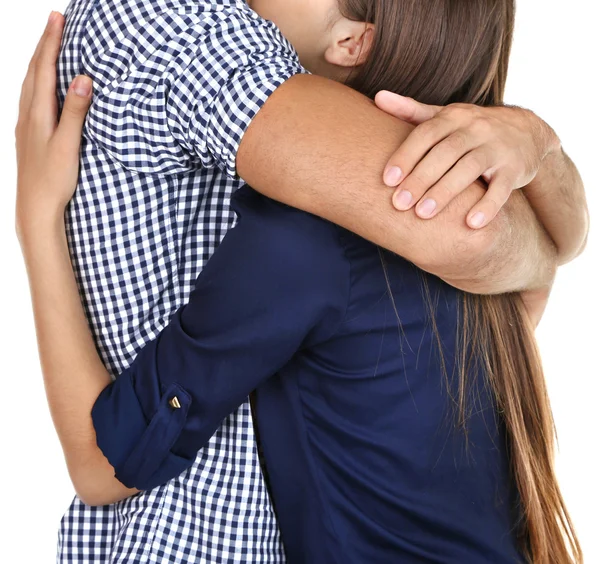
(176,84)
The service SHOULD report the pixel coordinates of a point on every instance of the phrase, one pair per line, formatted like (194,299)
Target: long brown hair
(440,52)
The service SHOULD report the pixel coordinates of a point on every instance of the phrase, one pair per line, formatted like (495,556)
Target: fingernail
(426,207)
(477,219)
(82,86)
(392,176)
(402,200)
(52,17)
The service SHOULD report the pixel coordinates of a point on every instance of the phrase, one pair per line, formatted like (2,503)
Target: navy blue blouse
(364,461)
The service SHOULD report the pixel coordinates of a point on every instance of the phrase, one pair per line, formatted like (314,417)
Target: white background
(555,68)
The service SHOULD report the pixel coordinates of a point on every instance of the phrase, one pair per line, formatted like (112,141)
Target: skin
(451,141)
(327,43)
(282,155)
(441,164)
(451,147)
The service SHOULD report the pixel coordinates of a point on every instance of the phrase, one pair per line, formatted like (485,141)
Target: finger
(404,108)
(77,102)
(418,143)
(466,171)
(500,189)
(434,165)
(27,86)
(44,104)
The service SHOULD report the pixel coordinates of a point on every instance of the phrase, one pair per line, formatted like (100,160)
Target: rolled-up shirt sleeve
(253,60)
(187,97)
(277,283)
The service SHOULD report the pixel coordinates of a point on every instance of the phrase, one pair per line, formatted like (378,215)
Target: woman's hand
(47,149)
(453,146)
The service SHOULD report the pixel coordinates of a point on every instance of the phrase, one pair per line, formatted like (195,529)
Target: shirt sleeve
(184,97)
(246,59)
(278,282)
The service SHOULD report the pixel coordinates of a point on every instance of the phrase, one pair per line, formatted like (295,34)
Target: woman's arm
(261,297)
(48,163)
(277,284)
(73,374)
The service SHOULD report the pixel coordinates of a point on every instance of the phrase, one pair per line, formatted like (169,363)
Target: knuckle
(447,191)
(505,192)
(442,194)
(68,109)
(457,141)
(491,204)
(494,205)
(474,163)
(507,180)
(483,127)
(447,113)
(426,129)
(73,109)
(418,182)
(456,112)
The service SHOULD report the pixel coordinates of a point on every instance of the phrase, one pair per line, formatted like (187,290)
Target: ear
(350,43)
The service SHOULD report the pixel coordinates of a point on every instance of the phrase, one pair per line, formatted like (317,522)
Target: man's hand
(453,146)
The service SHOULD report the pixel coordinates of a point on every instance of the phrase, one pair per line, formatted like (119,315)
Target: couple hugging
(374,293)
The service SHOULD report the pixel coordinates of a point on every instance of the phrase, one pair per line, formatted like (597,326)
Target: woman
(358,369)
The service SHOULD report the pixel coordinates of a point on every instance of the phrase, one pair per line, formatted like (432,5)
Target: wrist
(37,228)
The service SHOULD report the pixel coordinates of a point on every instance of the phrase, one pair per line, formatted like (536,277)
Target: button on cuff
(143,468)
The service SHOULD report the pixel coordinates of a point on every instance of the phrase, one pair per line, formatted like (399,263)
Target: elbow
(87,490)
(567,255)
(472,261)
(96,485)
(97,494)
(92,498)
(583,242)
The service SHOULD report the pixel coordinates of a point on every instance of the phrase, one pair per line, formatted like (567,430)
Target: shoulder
(177,82)
(158,30)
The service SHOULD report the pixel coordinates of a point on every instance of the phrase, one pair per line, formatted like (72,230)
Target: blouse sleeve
(277,283)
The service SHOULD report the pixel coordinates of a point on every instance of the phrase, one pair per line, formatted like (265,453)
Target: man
(143,223)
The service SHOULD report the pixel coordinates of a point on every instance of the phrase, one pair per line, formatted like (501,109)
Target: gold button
(174,403)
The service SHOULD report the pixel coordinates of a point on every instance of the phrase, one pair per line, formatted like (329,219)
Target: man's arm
(557,197)
(322,147)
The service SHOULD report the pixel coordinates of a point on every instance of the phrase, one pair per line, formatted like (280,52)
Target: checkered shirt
(176,84)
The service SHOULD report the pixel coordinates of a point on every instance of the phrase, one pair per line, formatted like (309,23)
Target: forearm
(321,147)
(558,199)
(73,373)
(519,257)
